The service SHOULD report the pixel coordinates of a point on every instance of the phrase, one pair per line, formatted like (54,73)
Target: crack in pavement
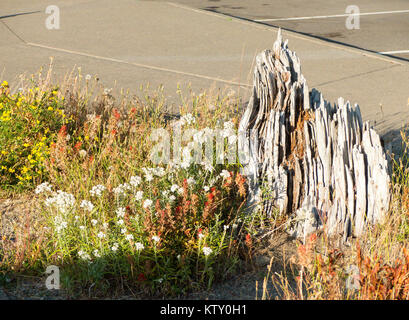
(18,14)
(12,32)
(355,75)
(140,65)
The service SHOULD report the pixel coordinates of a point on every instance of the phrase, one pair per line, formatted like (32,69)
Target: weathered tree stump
(318,161)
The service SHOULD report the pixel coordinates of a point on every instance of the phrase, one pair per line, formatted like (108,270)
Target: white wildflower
(208,166)
(225,174)
(206,188)
(61,200)
(94,222)
(60,224)
(82,153)
(148,177)
(228,125)
(121,189)
(135,181)
(174,187)
(96,253)
(87,205)
(147,203)
(120,222)
(207,251)
(159,171)
(187,119)
(148,174)
(156,239)
(120,212)
(185,164)
(172,198)
(173,165)
(83,255)
(139,195)
(97,190)
(129,237)
(44,187)
(101,235)
(115,247)
(123,230)
(139,246)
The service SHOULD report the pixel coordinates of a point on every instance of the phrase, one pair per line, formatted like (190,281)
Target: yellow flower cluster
(36,116)
(6,116)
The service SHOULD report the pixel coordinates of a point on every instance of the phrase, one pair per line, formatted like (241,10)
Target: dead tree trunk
(312,159)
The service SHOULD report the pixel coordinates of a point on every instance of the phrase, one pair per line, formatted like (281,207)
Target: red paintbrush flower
(210,196)
(63,131)
(141,277)
(117,115)
(248,240)
(78,145)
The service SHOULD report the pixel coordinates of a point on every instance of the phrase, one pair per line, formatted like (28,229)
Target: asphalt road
(383,25)
(128,43)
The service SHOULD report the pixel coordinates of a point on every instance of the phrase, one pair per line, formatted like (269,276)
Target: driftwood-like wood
(319,162)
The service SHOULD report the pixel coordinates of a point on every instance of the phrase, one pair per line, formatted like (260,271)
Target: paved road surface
(128,43)
(383,27)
